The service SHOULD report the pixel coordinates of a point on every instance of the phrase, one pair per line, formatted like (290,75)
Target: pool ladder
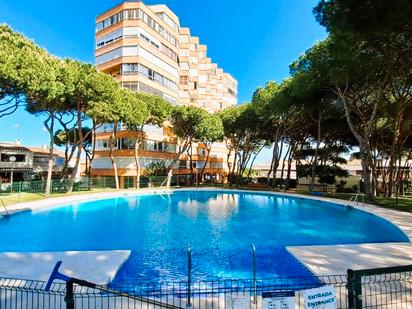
(355,199)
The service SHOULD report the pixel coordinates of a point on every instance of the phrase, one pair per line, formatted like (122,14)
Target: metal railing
(358,198)
(6,212)
(375,288)
(15,293)
(84,184)
(389,287)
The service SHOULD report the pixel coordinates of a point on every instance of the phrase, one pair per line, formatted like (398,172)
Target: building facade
(146,50)
(21,163)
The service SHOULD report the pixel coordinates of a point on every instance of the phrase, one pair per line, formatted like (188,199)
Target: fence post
(69,298)
(254,275)
(20,189)
(354,288)
(189,275)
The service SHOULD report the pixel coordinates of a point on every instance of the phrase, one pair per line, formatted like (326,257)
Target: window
(167,147)
(147,39)
(130,68)
(182,164)
(168,20)
(128,182)
(5,157)
(131,86)
(150,74)
(147,89)
(231,92)
(154,25)
(102,144)
(156,77)
(151,145)
(184,80)
(195,85)
(168,52)
(184,66)
(170,99)
(111,37)
(126,143)
(136,14)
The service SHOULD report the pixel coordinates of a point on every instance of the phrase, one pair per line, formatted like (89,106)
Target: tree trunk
(50,129)
(276,162)
(113,141)
(253,160)
(271,166)
(208,149)
(79,149)
(176,158)
(94,128)
(136,160)
(283,164)
(67,157)
(234,164)
(394,151)
(315,161)
(375,175)
(293,145)
(190,154)
(363,141)
(137,144)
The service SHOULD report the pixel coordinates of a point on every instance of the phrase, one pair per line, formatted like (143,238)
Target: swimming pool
(220,226)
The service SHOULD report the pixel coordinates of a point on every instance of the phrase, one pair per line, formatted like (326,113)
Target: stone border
(401,219)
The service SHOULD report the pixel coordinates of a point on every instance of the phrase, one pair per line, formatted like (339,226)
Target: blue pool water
(220,226)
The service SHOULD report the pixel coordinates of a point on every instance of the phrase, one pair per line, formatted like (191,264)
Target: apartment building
(146,50)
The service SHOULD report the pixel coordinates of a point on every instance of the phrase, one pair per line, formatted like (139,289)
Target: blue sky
(255,41)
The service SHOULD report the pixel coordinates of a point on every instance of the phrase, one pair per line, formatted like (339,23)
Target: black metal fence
(389,287)
(83,184)
(376,288)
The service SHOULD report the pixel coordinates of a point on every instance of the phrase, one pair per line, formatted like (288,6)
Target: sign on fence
(238,302)
(320,298)
(278,300)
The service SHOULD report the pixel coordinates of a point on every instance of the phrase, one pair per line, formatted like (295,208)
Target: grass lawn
(14,198)
(9,199)
(403,203)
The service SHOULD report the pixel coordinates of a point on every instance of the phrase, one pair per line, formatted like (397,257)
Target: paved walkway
(95,266)
(329,260)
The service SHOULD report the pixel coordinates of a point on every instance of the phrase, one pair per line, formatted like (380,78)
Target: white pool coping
(321,260)
(95,266)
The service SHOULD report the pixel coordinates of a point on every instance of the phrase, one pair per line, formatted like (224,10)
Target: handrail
(4,206)
(355,198)
(70,293)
